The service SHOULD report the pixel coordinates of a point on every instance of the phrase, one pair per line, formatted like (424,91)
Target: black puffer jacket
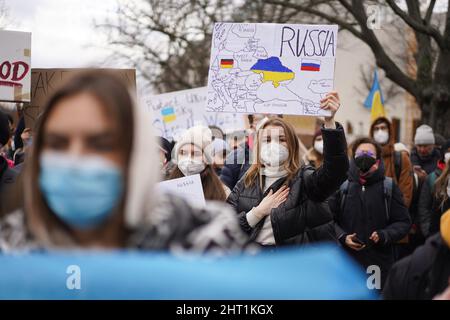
(290,220)
(422,275)
(364,212)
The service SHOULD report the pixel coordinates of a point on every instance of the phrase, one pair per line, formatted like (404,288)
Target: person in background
(397,165)
(220,150)
(165,157)
(369,212)
(193,155)
(8,175)
(425,274)
(425,155)
(270,199)
(314,156)
(90,182)
(216,132)
(430,200)
(441,196)
(27,140)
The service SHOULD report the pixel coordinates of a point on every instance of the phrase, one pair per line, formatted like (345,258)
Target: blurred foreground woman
(89,181)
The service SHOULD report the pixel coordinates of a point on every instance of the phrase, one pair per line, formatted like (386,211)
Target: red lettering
(16,71)
(5,74)
(16,68)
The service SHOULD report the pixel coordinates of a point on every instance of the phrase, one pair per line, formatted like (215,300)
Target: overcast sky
(63,30)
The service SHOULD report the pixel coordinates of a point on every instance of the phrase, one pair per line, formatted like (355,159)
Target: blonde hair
(293,162)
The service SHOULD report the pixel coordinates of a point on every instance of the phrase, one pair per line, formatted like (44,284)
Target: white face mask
(447,158)
(273,154)
(318,145)
(190,167)
(381,136)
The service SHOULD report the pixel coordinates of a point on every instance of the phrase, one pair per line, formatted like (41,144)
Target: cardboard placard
(44,82)
(174,112)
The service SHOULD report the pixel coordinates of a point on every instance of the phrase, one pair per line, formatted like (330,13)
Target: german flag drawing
(226,63)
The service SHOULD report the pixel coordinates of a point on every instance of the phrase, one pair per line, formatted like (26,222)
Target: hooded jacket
(405,181)
(364,212)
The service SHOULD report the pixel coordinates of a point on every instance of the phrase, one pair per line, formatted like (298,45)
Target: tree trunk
(436,114)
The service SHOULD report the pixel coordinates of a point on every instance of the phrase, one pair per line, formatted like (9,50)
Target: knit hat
(4,128)
(424,135)
(199,136)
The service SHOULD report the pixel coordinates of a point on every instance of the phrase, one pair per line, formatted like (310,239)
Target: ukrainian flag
(168,114)
(374,100)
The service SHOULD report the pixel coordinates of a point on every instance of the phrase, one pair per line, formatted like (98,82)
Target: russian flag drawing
(168,114)
(310,65)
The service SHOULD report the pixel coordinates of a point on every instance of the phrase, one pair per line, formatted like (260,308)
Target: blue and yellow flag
(374,100)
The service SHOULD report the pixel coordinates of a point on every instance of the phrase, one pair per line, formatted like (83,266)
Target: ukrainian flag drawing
(273,70)
(374,100)
(168,114)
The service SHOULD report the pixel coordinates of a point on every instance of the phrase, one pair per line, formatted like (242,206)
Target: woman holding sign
(272,198)
(194,154)
(90,178)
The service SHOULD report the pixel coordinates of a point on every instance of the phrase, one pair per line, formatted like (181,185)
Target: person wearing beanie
(397,165)
(314,155)
(165,157)
(425,155)
(193,154)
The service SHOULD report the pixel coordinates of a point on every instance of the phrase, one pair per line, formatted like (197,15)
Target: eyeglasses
(364,152)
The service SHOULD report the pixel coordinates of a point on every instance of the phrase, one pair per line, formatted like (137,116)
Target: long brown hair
(440,187)
(212,186)
(293,162)
(115,98)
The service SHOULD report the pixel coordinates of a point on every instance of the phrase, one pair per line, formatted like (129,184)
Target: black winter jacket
(364,212)
(422,275)
(290,219)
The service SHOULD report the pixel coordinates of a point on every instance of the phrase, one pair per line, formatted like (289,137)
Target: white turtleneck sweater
(265,236)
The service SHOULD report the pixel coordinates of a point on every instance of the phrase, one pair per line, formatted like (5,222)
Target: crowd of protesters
(85,176)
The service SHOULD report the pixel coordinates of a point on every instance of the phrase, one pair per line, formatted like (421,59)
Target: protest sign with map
(271,68)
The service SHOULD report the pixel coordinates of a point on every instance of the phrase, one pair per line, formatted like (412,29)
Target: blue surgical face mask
(81,191)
